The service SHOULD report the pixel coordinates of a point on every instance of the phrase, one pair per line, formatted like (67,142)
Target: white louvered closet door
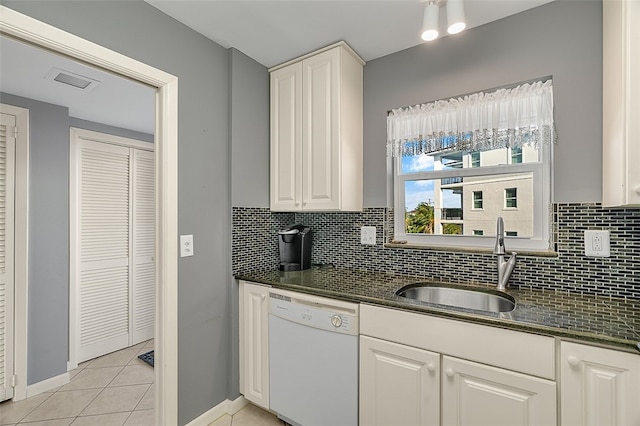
(7,163)
(143,279)
(104,219)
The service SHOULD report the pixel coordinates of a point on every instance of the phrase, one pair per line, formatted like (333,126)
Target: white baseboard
(47,385)
(237,404)
(225,407)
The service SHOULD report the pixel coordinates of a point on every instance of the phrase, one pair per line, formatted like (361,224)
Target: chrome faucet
(505,267)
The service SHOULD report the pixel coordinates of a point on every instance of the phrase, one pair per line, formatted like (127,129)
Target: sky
(422,190)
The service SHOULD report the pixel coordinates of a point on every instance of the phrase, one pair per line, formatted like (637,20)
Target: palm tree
(420,220)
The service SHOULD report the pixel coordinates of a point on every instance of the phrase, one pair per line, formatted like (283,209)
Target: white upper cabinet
(621,103)
(316,132)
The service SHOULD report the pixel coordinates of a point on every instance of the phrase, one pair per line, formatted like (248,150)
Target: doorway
(35,32)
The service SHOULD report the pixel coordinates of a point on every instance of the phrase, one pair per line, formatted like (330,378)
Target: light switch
(186,245)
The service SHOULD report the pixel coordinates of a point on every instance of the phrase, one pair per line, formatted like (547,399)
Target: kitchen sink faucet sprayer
(505,267)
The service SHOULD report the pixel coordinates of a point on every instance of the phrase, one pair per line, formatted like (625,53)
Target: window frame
(473,160)
(474,200)
(542,195)
(507,198)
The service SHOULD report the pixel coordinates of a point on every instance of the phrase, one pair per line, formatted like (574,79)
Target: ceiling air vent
(72,79)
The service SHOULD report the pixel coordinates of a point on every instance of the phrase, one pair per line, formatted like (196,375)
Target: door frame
(25,28)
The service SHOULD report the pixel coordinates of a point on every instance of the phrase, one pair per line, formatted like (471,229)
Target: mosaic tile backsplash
(336,241)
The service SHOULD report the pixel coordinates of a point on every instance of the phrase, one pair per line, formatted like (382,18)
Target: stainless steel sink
(465,298)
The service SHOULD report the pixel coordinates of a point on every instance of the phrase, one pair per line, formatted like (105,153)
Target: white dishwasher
(313,359)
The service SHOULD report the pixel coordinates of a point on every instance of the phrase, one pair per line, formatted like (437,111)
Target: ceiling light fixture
(430,21)
(455,18)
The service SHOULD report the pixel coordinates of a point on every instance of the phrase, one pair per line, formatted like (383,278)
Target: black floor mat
(147,357)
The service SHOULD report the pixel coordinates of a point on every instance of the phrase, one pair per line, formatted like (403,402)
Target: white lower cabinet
(417,369)
(254,343)
(600,387)
(399,385)
(477,394)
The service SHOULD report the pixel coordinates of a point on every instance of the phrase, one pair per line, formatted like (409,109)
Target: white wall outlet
(186,245)
(368,235)
(596,244)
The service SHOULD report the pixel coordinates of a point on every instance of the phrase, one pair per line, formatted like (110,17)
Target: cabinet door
(254,343)
(321,137)
(399,385)
(621,103)
(599,387)
(476,394)
(286,138)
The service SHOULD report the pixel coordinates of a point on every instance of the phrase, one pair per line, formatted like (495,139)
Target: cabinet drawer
(517,351)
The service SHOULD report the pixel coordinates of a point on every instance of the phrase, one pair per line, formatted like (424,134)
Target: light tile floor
(250,415)
(115,389)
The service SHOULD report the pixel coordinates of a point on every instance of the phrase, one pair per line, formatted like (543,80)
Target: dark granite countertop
(593,319)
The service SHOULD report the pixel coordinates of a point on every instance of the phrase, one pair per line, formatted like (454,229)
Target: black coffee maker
(295,247)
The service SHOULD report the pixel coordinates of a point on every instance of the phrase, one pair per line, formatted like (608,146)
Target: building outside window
(511,198)
(478,232)
(511,233)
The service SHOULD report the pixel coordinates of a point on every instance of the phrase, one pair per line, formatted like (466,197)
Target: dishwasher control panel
(317,312)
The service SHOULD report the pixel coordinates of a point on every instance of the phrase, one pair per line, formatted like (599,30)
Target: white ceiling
(115,101)
(269,31)
(274,31)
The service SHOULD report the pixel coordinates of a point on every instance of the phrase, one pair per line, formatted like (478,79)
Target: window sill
(477,250)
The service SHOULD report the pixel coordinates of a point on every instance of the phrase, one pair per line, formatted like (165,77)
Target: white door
(7,163)
(321,137)
(399,385)
(143,243)
(476,394)
(599,387)
(103,272)
(112,245)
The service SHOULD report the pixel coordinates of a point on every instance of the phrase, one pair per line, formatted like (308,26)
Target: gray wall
(562,39)
(140,31)
(249,141)
(47,339)
(249,82)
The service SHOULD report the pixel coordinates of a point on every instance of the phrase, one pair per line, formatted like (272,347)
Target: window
(516,155)
(451,198)
(511,233)
(475,159)
(477,199)
(511,198)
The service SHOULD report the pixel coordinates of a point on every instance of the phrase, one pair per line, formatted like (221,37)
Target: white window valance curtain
(514,117)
